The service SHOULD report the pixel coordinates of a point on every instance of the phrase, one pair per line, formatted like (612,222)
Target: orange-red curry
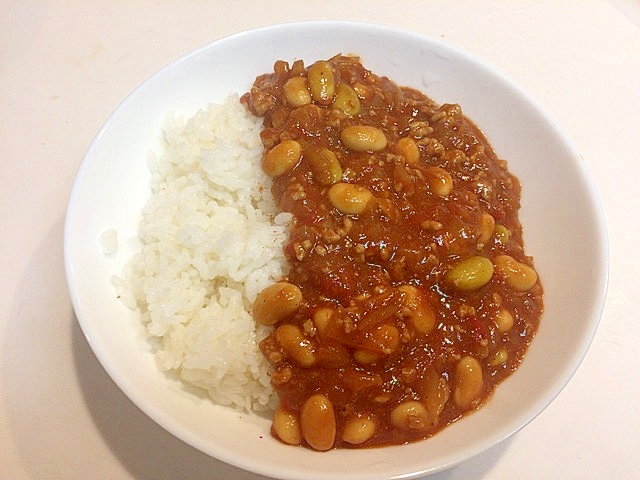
(409,296)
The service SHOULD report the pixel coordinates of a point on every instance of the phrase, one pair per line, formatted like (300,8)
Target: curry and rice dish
(338,250)
(409,295)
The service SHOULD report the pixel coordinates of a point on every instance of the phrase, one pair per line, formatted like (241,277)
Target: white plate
(563,222)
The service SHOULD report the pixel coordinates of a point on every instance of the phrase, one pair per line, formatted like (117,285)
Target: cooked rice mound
(211,240)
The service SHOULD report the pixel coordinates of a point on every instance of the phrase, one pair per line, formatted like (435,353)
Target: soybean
(321,82)
(410,415)
(358,430)
(286,426)
(440,181)
(297,346)
(346,100)
(470,274)
(363,138)
(324,165)
(420,313)
(502,234)
(517,275)
(296,92)
(504,320)
(318,422)
(349,198)
(282,158)
(468,382)
(276,302)
(499,357)
(408,148)
(487,227)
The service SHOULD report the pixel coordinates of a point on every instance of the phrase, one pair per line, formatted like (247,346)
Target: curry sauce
(409,295)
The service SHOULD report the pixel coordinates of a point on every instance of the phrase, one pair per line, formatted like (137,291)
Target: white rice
(109,242)
(211,240)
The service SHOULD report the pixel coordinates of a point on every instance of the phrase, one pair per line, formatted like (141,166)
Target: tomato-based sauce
(409,295)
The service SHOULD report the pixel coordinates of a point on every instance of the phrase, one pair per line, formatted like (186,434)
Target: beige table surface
(65,65)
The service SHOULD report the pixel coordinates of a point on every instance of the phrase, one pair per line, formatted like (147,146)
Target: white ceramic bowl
(563,222)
